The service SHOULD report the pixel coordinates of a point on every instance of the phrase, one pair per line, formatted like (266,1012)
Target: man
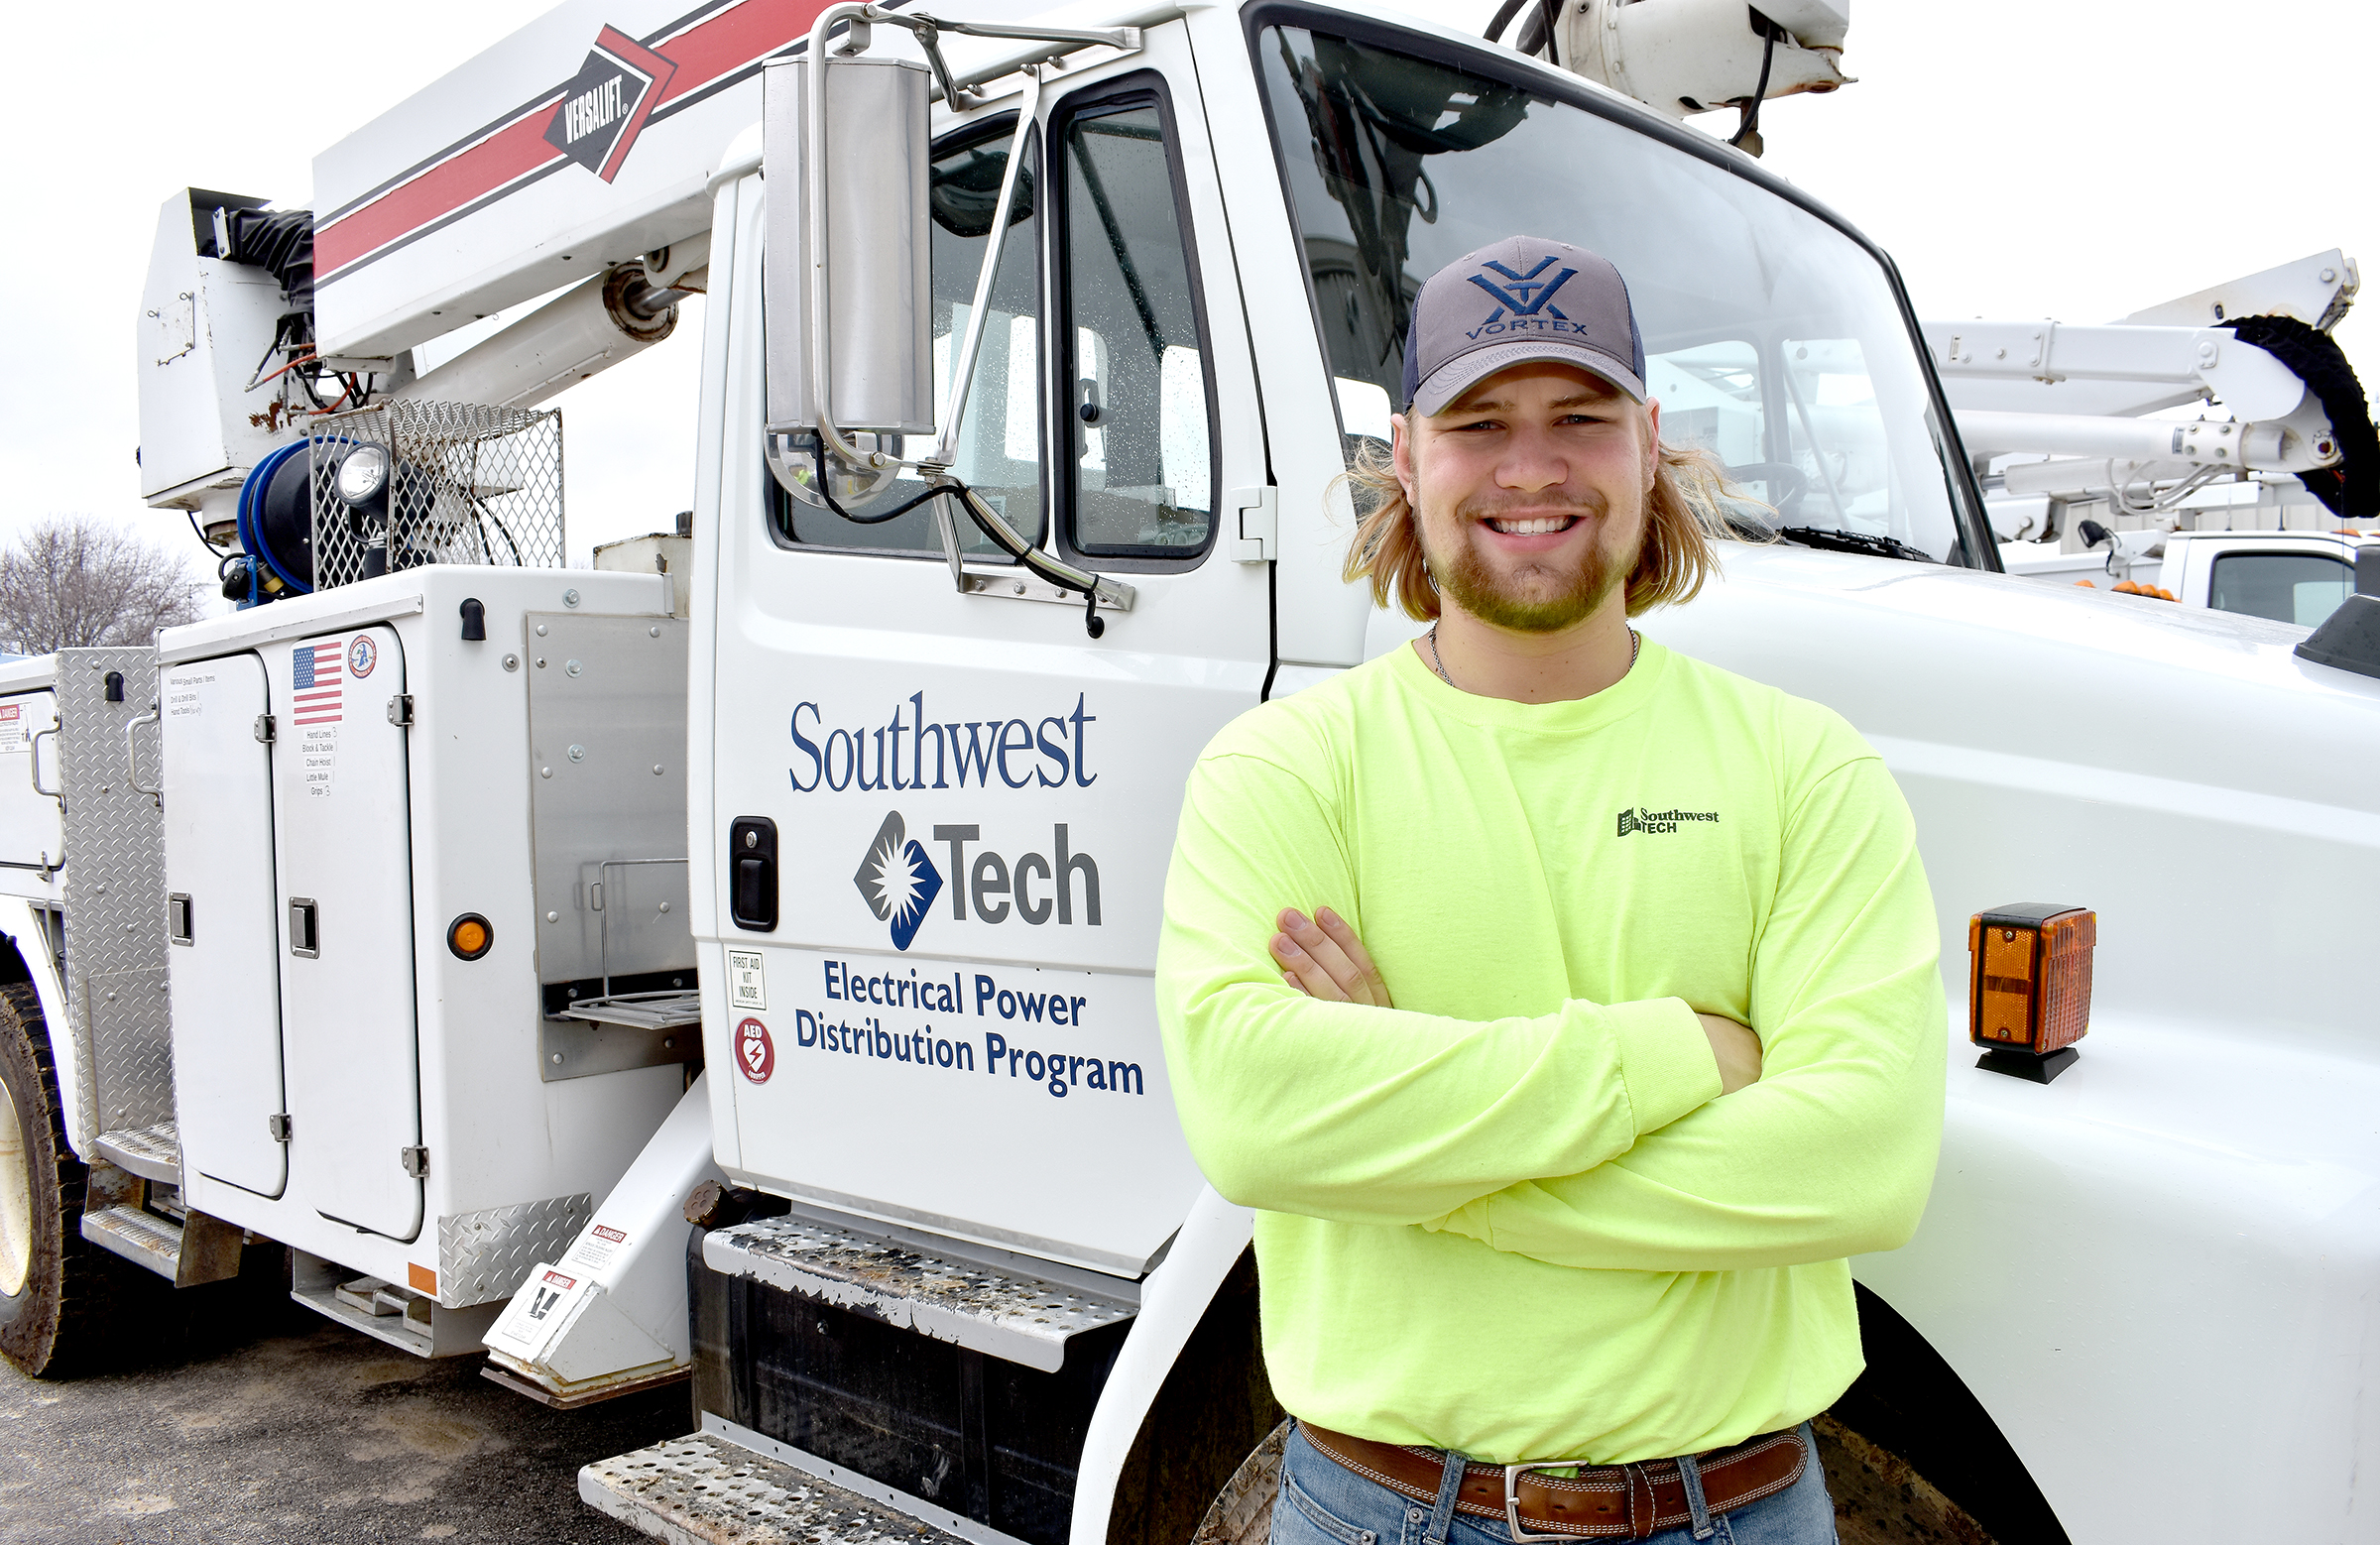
(1568,1009)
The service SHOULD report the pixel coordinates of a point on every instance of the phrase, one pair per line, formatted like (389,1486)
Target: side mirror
(873,278)
(847,294)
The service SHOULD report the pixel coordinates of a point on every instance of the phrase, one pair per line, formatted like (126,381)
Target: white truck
(2091,480)
(392,916)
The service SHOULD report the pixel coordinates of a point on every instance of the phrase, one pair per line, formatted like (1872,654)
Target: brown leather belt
(1596,1501)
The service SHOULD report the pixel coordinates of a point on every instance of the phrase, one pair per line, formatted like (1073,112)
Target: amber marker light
(2029,987)
(469,936)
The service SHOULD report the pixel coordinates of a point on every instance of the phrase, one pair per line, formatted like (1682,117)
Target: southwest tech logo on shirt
(1655,823)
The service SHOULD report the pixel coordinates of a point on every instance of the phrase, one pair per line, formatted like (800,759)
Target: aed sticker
(756,1054)
(747,985)
(595,1250)
(362,656)
(183,700)
(317,759)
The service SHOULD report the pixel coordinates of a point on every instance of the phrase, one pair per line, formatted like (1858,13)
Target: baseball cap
(1517,302)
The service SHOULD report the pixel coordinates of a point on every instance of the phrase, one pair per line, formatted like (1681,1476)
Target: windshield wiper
(1839,540)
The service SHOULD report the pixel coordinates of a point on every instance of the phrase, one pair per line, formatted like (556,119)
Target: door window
(1142,479)
(998,453)
(2289,587)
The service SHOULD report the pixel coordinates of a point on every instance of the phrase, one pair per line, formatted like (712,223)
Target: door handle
(34,765)
(751,871)
(132,752)
(305,928)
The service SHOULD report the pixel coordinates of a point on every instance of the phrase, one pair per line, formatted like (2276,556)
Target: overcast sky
(2077,160)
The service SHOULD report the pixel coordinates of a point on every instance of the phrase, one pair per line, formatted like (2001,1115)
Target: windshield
(1771,338)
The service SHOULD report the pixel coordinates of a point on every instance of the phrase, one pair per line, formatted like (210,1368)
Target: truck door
(30,834)
(942,816)
(343,857)
(223,946)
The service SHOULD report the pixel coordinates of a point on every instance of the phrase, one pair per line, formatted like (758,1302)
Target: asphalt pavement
(248,1418)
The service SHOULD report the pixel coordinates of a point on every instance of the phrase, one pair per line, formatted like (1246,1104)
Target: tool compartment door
(342,820)
(223,952)
(31,836)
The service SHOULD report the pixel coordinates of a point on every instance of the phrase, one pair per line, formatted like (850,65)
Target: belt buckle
(1512,1474)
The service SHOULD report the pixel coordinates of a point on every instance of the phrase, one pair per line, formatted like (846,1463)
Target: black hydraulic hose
(1504,18)
(818,450)
(480,509)
(1750,126)
(1015,546)
(1553,20)
(2351,489)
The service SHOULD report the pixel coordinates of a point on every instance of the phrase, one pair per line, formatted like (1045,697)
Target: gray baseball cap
(1517,302)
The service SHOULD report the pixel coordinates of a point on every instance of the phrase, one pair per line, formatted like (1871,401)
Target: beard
(1545,594)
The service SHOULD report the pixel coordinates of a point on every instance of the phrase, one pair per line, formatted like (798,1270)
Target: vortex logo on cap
(1515,295)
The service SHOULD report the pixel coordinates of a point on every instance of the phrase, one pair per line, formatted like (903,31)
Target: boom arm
(2077,393)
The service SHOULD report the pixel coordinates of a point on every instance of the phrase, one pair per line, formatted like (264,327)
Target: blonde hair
(1683,517)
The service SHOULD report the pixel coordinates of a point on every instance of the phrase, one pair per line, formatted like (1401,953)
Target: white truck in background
(739,975)
(2091,479)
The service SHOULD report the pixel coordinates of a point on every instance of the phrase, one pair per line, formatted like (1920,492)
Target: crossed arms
(1595,1135)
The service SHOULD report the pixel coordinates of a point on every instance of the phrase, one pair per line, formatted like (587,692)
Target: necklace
(1635,647)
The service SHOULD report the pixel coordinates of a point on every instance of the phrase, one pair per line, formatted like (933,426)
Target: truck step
(385,1311)
(1005,1313)
(701,1489)
(141,1238)
(151,1152)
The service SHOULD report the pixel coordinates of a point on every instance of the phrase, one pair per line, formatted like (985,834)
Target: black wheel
(53,1282)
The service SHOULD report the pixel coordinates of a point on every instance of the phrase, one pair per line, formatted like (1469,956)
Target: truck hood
(2180,771)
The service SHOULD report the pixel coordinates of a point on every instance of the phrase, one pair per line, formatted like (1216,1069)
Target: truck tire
(1242,1512)
(51,1280)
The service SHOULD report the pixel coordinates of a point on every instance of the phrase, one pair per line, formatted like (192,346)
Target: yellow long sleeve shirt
(1513,1215)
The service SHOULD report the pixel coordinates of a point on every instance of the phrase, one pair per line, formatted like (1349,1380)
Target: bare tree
(72,581)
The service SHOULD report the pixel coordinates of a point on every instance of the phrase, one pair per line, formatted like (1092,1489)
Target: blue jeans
(1322,1503)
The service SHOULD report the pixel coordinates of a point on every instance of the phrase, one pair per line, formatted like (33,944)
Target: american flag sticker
(316,677)
(315,681)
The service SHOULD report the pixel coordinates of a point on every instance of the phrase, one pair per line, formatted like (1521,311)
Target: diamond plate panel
(485,1255)
(115,886)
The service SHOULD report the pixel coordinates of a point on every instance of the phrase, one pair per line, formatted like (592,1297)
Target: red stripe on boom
(703,53)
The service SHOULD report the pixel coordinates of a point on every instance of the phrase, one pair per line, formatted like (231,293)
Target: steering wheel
(1786,484)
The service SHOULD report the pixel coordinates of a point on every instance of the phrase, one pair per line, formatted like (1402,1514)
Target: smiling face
(1531,492)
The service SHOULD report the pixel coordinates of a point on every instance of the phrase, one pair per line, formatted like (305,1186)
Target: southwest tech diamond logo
(898,881)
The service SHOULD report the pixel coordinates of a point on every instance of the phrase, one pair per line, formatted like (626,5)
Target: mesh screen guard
(464,483)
